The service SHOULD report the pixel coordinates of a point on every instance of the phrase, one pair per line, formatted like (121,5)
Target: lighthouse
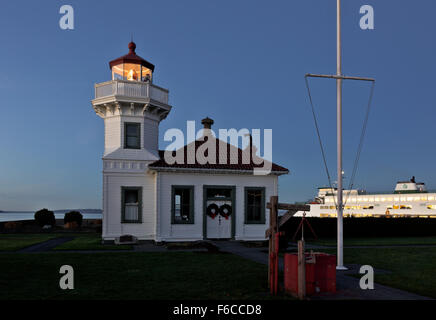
(131,106)
(147,198)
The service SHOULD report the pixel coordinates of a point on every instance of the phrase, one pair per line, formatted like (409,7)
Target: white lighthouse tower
(132,107)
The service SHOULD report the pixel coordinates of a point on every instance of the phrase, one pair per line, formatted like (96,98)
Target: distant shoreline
(56,211)
(59,214)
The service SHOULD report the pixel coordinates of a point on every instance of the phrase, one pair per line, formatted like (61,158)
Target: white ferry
(410,199)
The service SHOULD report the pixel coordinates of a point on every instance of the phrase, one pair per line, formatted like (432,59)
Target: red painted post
(273,244)
(276,257)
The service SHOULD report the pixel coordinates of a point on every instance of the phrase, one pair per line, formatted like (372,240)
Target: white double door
(219,227)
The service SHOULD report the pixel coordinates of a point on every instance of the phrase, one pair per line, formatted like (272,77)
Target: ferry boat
(409,199)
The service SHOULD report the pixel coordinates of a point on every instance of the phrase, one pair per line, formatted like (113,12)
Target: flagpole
(340,248)
(339,79)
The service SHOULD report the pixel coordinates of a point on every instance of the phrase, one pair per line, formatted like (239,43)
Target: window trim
(262,212)
(123,208)
(125,135)
(192,202)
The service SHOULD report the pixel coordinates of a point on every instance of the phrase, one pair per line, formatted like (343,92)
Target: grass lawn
(377,241)
(91,241)
(174,275)
(412,268)
(12,242)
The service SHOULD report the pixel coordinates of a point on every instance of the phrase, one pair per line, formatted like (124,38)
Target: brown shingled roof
(225,164)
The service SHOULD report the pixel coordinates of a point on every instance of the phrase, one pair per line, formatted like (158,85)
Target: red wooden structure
(274,234)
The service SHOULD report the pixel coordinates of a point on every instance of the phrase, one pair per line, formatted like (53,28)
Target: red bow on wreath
(225,211)
(212,210)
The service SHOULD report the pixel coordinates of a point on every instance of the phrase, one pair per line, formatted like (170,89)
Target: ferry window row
(385,199)
(357,215)
(395,207)
(348,207)
(392,207)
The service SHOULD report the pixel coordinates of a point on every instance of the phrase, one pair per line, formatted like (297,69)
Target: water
(29,215)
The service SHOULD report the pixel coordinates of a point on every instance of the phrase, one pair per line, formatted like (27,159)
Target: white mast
(340,249)
(339,77)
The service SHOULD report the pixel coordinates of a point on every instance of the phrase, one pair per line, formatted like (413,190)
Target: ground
(174,275)
(81,241)
(411,269)
(125,274)
(89,241)
(409,262)
(377,241)
(13,242)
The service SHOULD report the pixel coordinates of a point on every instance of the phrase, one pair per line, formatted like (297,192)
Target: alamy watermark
(215,151)
(367,20)
(367,280)
(67,280)
(66,22)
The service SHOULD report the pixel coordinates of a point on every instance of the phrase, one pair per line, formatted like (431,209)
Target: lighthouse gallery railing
(131,89)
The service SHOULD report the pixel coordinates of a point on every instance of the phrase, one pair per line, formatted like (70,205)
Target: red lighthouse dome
(131,66)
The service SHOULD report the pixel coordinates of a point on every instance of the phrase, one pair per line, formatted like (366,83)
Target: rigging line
(362,136)
(319,138)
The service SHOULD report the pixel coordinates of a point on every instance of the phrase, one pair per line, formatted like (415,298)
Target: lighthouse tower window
(132,135)
(131,204)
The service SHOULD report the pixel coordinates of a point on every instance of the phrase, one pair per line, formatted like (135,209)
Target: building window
(182,198)
(254,205)
(132,135)
(131,204)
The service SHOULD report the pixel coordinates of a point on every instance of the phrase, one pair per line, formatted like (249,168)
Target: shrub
(45,217)
(73,216)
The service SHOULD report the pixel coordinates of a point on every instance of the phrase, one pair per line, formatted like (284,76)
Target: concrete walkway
(347,286)
(46,245)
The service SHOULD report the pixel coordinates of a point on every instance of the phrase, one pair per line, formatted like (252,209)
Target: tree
(45,217)
(73,216)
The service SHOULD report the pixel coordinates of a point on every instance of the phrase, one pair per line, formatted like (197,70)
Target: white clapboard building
(149,198)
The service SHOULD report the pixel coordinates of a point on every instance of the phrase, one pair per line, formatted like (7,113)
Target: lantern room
(131,67)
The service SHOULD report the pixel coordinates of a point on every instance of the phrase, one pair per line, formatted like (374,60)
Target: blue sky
(241,63)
